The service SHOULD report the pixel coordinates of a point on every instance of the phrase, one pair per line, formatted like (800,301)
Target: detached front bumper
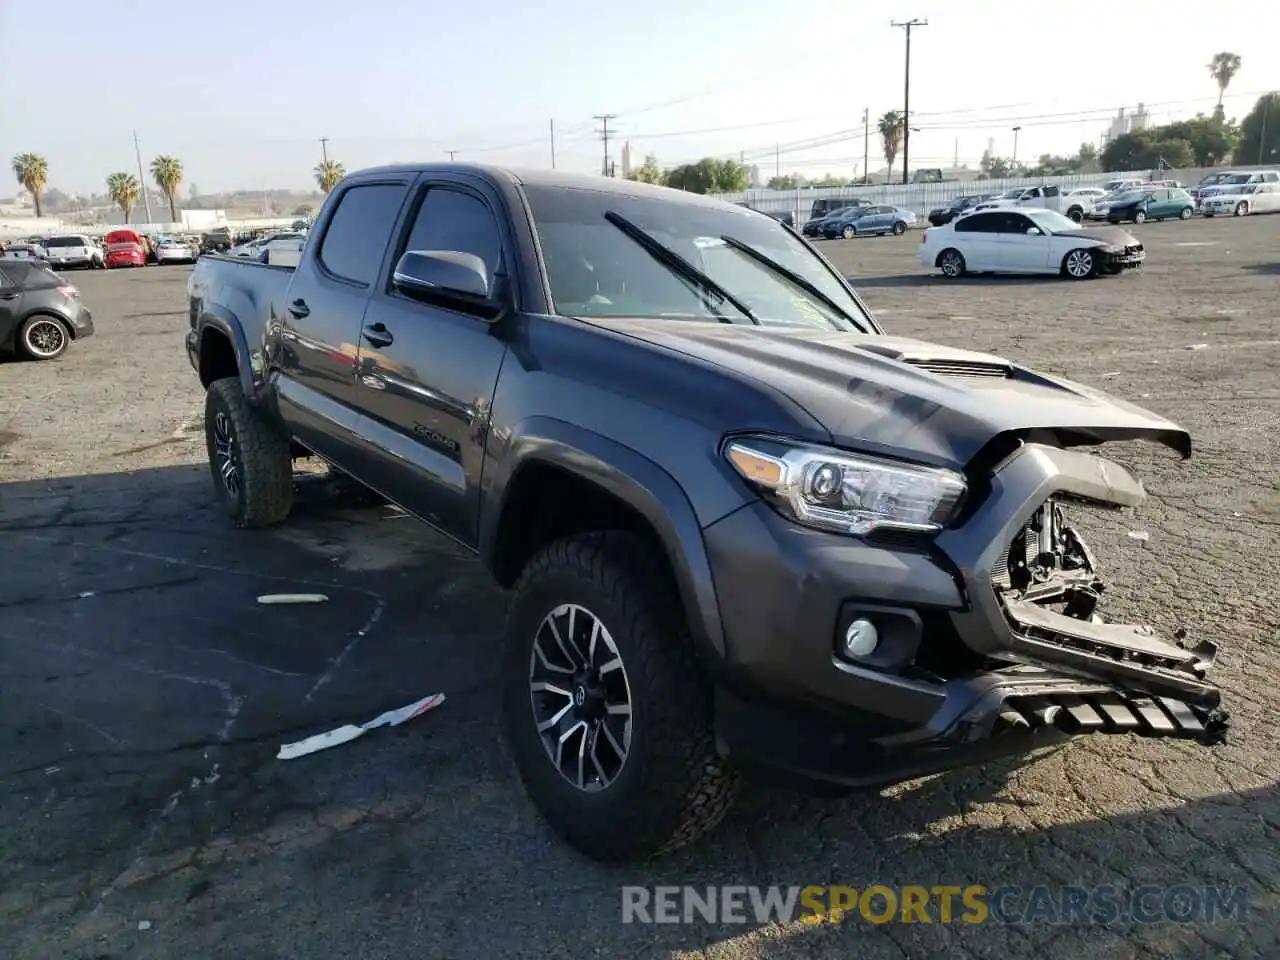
(967,668)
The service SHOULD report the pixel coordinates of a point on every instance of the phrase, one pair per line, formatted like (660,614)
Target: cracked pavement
(144,692)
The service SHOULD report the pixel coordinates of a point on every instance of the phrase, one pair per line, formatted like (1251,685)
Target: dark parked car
(826,206)
(1151,203)
(743,526)
(941,216)
(40,312)
(813,227)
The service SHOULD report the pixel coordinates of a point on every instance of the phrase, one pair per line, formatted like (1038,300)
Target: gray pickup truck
(744,528)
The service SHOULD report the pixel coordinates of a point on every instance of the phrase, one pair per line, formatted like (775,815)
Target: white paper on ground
(350,731)
(272,598)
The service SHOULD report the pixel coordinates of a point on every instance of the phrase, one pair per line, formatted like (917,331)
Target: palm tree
(167,173)
(124,190)
(328,173)
(32,171)
(891,134)
(1223,69)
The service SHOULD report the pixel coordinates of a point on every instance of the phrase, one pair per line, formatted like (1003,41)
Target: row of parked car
(124,247)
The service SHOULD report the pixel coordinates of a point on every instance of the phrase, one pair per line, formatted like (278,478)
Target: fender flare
(635,480)
(225,322)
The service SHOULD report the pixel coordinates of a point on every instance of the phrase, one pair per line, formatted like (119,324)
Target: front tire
(606,710)
(1076,214)
(1140,217)
(849,232)
(899,228)
(1184,213)
(1242,209)
(1080,264)
(249,459)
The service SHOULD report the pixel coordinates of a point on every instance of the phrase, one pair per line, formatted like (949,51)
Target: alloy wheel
(45,338)
(224,445)
(580,697)
(1079,263)
(951,264)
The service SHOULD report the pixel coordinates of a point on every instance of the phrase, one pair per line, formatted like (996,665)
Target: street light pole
(1015,145)
(906,97)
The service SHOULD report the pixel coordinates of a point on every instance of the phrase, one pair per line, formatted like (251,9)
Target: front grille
(963,368)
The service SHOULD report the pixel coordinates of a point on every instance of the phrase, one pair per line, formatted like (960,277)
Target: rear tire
(951,262)
(43,337)
(1076,214)
(1140,217)
(249,459)
(651,780)
(1184,213)
(899,228)
(849,232)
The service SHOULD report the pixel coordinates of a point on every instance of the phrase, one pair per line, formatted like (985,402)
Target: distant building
(626,159)
(1123,123)
(753,176)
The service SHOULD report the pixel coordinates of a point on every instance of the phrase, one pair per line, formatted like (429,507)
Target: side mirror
(445,276)
(1033,231)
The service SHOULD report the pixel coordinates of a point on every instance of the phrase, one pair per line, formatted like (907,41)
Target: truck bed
(251,290)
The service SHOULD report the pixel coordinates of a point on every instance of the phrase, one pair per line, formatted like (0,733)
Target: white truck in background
(1046,196)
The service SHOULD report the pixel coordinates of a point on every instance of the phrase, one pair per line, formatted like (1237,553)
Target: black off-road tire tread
(266,481)
(699,786)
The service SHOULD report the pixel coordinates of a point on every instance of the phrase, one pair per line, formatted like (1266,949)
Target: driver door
(1020,250)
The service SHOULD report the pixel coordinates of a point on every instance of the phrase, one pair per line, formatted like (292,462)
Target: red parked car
(125,249)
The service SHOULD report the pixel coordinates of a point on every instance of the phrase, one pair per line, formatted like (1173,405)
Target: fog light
(861,638)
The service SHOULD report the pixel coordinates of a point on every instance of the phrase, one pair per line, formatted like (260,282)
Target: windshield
(1129,196)
(1237,178)
(596,270)
(1013,194)
(1051,221)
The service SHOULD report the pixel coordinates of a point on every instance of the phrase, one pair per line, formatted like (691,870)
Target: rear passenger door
(428,372)
(318,325)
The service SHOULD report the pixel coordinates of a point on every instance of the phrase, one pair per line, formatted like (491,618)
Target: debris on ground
(349,732)
(1113,373)
(144,924)
(1198,346)
(276,598)
(1139,535)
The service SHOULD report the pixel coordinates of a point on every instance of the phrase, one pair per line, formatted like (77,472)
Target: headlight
(844,492)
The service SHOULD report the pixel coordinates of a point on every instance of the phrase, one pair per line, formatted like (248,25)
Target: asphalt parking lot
(144,692)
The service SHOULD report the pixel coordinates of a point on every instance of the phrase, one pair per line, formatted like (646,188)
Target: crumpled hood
(907,398)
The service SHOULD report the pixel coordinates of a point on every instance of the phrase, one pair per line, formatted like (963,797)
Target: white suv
(73,250)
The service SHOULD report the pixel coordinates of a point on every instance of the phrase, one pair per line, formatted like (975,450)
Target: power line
(604,132)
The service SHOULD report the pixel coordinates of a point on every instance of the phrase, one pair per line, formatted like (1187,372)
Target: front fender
(632,478)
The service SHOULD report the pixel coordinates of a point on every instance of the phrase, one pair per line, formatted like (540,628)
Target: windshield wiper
(679,265)
(790,275)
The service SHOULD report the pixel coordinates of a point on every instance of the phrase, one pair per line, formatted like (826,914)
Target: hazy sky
(240,91)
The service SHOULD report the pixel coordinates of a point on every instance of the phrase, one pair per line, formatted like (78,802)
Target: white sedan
(173,250)
(1030,242)
(1242,200)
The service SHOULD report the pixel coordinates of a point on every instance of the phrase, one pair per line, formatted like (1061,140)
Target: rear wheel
(1184,213)
(249,459)
(1140,216)
(1076,214)
(849,232)
(606,711)
(951,263)
(899,228)
(43,338)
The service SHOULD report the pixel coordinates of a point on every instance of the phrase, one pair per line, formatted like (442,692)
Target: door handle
(378,335)
(8,296)
(299,308)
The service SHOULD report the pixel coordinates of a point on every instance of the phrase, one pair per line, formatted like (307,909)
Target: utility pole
(1262,133)
(142,177)
(324,150)
(1015,145)
(777,160)
(955,164)
(906,97)
(553,143)
(604,132)
(866,143)
(451,153)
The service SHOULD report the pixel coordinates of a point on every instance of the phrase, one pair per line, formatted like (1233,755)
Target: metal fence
(923,197)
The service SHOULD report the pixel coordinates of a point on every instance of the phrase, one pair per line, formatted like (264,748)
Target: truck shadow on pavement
(144,692)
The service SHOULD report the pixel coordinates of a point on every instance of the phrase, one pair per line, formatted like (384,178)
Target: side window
(357,234)
(977,223)
(1271,176)
(1014,223)
(6,280)
(1052,191)
(452,220)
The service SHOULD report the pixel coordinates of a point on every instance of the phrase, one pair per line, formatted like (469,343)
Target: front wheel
(606,711)
(899,228)
(1140,217)
(249,459)
(849,232)
(1242,209)
(1184,213)
(1080,264)
(1076,214)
